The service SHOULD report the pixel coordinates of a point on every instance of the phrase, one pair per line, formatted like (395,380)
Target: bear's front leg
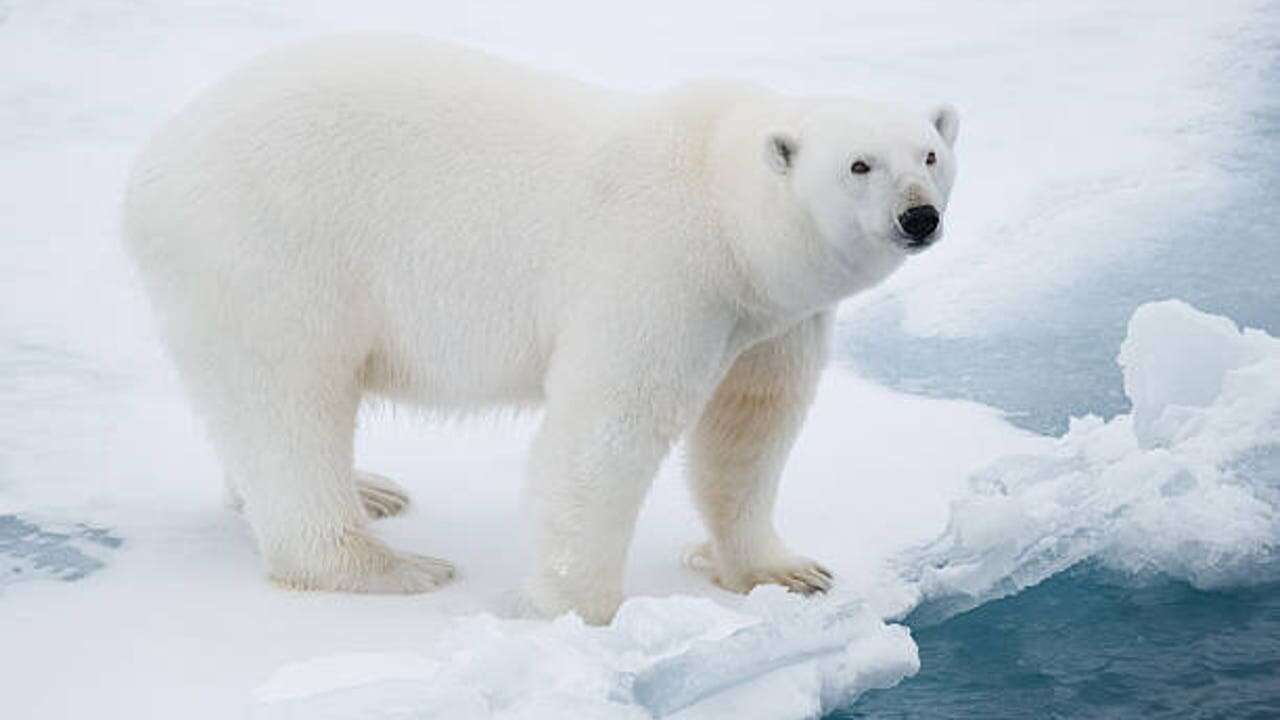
(737,451)
(590,472)
(611,417)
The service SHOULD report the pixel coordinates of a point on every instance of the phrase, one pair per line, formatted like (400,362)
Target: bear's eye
(931,158)
(860,168)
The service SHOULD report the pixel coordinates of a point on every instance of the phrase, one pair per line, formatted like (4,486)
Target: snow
(916,503)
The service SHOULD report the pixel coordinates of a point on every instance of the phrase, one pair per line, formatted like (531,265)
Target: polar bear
(398,218)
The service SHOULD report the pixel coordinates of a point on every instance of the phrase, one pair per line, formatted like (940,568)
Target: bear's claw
(808,580)
(380,496)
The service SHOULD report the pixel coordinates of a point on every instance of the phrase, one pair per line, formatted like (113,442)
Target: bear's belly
(461,354)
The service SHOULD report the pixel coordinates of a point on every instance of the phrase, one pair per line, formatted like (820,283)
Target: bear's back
(406,129)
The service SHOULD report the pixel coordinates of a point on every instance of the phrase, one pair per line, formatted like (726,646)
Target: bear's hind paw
(375,570)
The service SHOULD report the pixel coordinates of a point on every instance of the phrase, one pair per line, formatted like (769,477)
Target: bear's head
(872,178)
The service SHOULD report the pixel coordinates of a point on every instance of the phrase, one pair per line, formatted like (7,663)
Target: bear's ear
(947,122)
(780,151)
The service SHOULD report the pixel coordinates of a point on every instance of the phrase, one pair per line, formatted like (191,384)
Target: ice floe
(1187,484)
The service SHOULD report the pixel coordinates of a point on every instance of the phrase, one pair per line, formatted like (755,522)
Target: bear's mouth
(916,245)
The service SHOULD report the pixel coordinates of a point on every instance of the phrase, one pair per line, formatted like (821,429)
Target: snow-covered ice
(1187,485)
(673,657)
(907,498)
(834,647)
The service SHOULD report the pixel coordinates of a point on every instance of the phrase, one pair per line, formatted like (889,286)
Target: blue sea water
(1089,642)
(29,551)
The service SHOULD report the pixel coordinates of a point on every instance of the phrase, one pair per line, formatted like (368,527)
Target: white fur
(391,216)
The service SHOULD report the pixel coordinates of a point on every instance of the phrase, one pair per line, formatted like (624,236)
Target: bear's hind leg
(286,437)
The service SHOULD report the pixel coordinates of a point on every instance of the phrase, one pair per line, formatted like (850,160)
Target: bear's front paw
(595,605)
(408,575)
(794,572)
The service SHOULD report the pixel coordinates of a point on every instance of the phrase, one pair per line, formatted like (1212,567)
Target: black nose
(919,222)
